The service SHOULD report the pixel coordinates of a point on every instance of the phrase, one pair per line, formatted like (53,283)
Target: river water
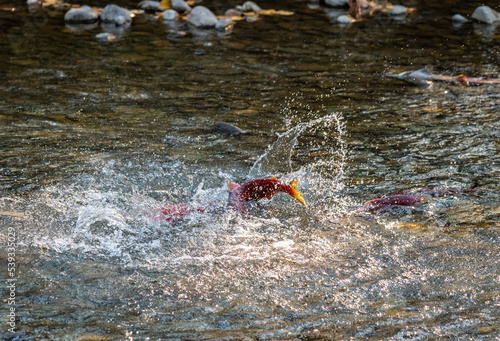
(94,136)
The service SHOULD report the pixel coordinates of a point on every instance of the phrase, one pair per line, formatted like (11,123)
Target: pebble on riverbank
(106,37)
(149,6)
(249,6)
(202,17)
(170,15)
(459,19)
(336,3)
(398,11)
(345,20)
(81,15)
(486,15)
(224,24)
(180,6)
(113,13)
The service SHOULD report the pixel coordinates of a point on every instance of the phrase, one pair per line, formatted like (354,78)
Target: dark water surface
(95,136)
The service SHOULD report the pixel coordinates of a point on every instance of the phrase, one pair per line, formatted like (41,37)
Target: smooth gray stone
(150,6)
(170,15)
(116,14)
(398,10)
(459,19)
(486,15)
(227,129)
(249,6)
(83,14)
(180,6)
(336,3)
(202,17)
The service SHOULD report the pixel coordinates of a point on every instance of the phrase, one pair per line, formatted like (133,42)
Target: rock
(83,14)
(223,24)
(459,19)
(180,6)
(116,14)
(227,129)
(486,15)
(170,15)
(233,13)
(344,20)
(106,37)
(202,17)
(249,6)
(336,3)
(398,11)
(150,6)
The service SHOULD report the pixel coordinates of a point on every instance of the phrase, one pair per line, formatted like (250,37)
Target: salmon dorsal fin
(274,178)
(294,183)
(231,185)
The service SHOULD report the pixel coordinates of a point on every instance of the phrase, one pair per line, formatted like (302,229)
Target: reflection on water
(96,136)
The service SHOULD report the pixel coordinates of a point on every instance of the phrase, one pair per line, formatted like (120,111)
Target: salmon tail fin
(295,193)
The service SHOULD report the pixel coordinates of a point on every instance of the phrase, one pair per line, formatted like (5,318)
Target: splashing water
(105,214)
(321,161)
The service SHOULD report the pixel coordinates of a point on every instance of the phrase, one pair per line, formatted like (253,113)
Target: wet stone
(336,3)
(233,13)
(398,10)
(116,14)
(344,20)
(202,17)
(170,15)
(223,23)
(150,6)
(180,6)
(227,129)
(249,6)
(106,37)
(81,15)
(486,15)
(458,19)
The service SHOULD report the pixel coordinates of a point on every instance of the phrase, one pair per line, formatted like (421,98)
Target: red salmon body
(393,200)
(257,189)
(436,191)
(174,212)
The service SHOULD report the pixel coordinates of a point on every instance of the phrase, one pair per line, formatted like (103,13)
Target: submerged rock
(227,129)
(249,6)
(106,37)
(150,6)
(486,15)
(459,19)
(170,15)
(82,15)
(202,17)
(118,15)
(223,24)
(180,6)
(233,13)
(344,20)
(398,11)
(336,3)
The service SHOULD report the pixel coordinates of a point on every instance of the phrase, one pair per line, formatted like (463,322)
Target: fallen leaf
(275,12)
(165,4)
(48,3)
